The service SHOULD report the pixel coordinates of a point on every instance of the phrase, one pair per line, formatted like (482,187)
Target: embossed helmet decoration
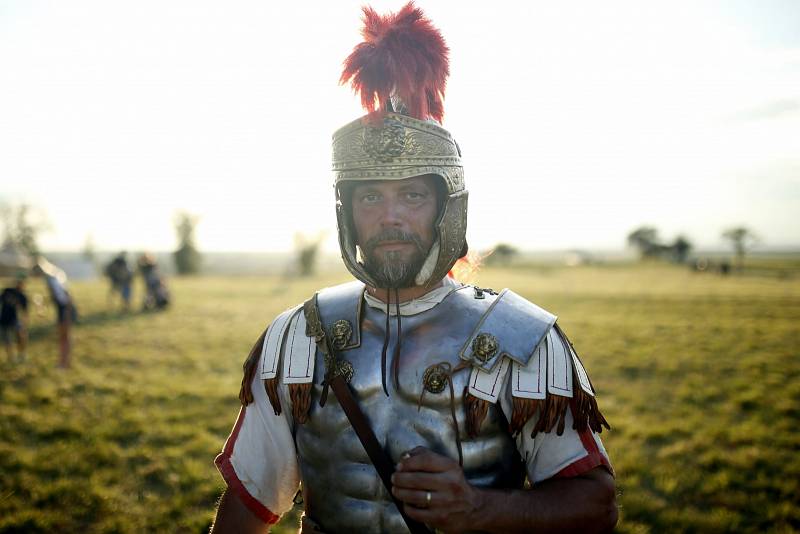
(400,72)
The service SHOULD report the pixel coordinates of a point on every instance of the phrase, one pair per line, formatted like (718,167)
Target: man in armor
(406,400)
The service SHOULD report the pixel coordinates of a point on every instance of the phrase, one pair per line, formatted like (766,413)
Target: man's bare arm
(233,517)
(581,504)
(584,503)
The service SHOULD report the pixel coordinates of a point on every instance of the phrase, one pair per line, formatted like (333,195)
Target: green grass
(697,373)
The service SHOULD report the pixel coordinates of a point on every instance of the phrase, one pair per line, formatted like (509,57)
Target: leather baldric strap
(381,461)
(336,381)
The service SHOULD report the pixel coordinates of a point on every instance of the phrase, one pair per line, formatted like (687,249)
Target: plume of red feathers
(402,54)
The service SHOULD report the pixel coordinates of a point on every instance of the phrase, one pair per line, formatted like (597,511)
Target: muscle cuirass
(341,489)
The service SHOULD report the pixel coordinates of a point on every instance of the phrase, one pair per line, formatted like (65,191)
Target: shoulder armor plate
(512,327)
(298,352)
(487,385)
(553,369)
(270,355)
(339,305)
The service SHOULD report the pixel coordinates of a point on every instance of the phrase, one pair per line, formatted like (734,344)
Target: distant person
(156,296)
(14,318)
(56,281)
(121,277)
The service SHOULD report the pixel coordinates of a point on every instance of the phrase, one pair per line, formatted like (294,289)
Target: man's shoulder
(337,295)
(509,301)
(343,300)
(545,370)
(507,325)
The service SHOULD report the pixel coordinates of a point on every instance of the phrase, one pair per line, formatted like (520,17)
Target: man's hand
(584,503)
(434,490)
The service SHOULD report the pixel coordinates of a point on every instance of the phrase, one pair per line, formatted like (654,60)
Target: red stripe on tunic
(223,463)
(593,458)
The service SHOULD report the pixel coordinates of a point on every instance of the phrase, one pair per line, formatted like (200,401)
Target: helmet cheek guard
(397,147)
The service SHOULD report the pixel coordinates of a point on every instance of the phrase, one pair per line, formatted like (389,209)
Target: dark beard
(390,270)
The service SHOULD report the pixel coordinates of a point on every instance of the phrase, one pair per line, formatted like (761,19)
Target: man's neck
(404,294)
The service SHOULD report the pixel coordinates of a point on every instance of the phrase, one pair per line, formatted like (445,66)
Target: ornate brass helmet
(389,145)
(396,148)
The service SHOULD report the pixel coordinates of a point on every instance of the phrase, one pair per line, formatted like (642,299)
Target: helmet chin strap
(426,271)
(396,356)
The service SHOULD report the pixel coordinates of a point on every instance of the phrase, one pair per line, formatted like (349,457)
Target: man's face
(394,226)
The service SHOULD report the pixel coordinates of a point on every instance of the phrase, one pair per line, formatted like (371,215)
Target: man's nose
(392,213)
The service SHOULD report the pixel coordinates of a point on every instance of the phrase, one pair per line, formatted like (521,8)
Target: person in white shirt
(66,312)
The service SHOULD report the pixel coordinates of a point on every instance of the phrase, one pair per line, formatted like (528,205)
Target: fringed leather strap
(553,414)
(271,387)
(552,409)
(522,411)
(249,367)
(301,401)
(586,413)
(476,410)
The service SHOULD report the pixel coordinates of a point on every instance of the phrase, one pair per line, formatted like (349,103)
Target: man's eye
(370,197)
(414,195)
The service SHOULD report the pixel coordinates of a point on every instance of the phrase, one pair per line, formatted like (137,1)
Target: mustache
(393,234)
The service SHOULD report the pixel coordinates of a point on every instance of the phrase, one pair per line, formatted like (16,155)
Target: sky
(578,121)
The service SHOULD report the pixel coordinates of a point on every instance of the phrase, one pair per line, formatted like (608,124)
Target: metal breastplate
(341,489)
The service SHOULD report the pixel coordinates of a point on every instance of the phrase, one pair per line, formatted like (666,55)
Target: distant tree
(680,249)
(307,252)
(22,225)
(645,240)
(89,253)
(741,239)
(502,254)
(187,258)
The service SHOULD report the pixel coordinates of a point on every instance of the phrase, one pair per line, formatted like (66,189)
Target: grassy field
(698,374)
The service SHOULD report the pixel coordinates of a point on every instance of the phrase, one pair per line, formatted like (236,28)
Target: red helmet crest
(402,63)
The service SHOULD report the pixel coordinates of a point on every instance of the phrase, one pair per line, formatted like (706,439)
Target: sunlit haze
(578,121)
